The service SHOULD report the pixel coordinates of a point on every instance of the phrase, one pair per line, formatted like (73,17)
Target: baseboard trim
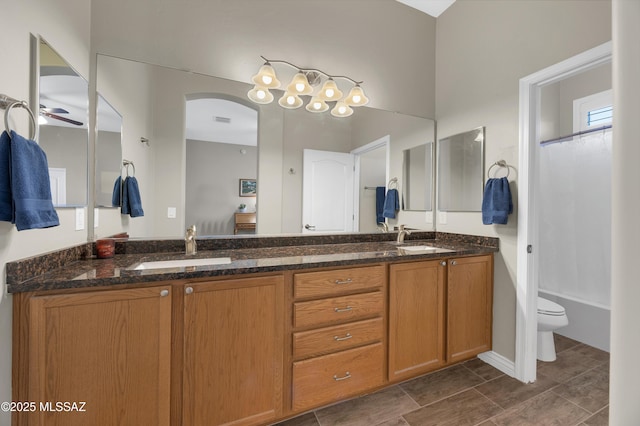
(496,360)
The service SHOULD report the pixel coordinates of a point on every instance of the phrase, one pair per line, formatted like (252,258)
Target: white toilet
(551,316)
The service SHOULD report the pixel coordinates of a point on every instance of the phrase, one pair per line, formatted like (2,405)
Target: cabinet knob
(164,293)
(345,377)
(188,290)
(443,263)
(453,262)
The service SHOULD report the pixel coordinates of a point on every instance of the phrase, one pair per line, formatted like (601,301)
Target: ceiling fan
(53,113)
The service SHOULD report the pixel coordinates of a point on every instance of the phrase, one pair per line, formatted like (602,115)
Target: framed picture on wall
(247,187)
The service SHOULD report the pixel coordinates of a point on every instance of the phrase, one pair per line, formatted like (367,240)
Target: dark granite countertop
(93,272)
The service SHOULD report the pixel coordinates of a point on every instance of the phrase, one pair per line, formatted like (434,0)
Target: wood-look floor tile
(441,384)
(308,419)
(507,391)
(589,390)
(569,364)
(601,418)
(368,410)
(545,409)
(482,369)
(563,342)
(464,409)
(399,421)
(591,352)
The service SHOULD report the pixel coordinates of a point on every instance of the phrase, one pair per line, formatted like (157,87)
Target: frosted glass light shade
(330,91)
(317,105)
(266,77)
(290,101)
(300,85)
(341,110)
(260,95)
(356,97)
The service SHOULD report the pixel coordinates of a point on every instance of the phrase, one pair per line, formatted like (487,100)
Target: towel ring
(392,181)
(500,163)
(126,165)
(24,105)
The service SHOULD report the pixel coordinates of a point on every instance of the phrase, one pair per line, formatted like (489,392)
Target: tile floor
(573,390)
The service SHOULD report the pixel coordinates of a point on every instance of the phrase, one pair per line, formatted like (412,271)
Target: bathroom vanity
(275,332)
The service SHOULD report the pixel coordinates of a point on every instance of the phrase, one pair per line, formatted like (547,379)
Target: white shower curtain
(575,218)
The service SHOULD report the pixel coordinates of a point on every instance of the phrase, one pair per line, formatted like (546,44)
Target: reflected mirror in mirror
(108,153)
(153,101)
(461,171)
(417,175)
(62,126)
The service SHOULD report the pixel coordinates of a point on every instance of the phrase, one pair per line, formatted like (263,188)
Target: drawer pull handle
(347,309)
(347,281)
(340,339)
(345,377)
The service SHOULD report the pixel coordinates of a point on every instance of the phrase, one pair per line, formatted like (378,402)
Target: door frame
(383,142)
(527,278)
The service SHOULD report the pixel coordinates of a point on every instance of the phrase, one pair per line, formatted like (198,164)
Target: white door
(327,191)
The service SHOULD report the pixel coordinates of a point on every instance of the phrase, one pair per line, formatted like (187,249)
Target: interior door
(327,191)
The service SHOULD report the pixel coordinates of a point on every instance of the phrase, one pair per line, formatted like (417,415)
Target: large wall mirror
(153,101)
(461,171)
(108,153)
(417,173)
(62,96)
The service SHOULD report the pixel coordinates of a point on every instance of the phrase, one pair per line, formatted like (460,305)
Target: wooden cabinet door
(108,351)
(469,306)
(416,318)
(233,351)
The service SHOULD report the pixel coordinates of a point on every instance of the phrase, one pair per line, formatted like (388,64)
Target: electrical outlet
(79,218)
(428,216)
(96,217)
(171,213)
(442,218)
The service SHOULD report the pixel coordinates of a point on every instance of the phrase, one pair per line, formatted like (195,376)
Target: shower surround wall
(575,212)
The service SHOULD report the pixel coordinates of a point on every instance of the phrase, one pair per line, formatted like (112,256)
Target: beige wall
(483,48)
(65,25)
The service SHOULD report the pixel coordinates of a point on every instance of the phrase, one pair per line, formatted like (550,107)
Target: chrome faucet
(402,233)
(190,245)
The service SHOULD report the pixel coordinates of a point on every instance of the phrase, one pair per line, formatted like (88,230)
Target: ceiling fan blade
(57,117)
(54,110)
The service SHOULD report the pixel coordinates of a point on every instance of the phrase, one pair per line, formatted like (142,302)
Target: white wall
(65,25)
(483,48)
(625,293)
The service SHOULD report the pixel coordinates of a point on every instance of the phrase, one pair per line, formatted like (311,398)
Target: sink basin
(182,263)
(421,250)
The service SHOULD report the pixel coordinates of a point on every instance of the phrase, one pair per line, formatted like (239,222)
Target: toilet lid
(547,307)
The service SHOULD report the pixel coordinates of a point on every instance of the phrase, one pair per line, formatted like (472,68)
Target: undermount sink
(421,250)
(182,263)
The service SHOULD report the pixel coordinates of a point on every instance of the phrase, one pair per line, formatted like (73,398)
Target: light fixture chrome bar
(280,61)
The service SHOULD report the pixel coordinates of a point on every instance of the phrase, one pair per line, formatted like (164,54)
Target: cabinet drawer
(337,309)
(329,378)
(324,283)
(336,338)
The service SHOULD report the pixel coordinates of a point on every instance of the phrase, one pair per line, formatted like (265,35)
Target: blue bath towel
(131,201)
(117,190)
(391,204)
(379,203)
(30,187)
(496,203)
(6,203)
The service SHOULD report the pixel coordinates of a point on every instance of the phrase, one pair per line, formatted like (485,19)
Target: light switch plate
(171,213)
(428,216)
(79,218)
(96,217)
(442,218)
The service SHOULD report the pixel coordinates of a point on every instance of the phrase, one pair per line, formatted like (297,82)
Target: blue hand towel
(391,204)
(131,202)
(379,203)
(496,203)
(117,189)
(6,203)
(30,187)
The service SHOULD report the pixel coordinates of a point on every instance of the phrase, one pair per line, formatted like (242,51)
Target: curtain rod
(583,132)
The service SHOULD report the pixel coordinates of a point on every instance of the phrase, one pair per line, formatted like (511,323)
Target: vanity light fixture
(302,84)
